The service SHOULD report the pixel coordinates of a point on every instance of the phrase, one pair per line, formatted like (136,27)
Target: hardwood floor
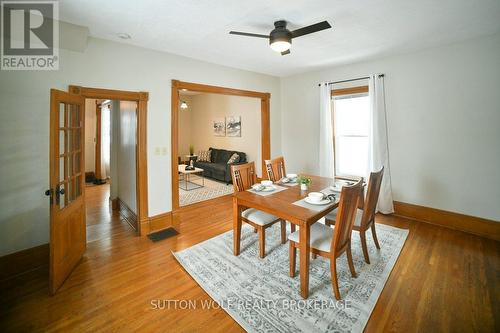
(444,280)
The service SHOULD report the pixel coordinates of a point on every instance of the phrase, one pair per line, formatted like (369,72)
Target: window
(351,126)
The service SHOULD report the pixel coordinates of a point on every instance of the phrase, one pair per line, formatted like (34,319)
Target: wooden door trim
(141,98)
(265,124)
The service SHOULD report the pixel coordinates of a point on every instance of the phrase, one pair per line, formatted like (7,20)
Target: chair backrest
(275,168)
(243,176)
(346,214)
(372,197)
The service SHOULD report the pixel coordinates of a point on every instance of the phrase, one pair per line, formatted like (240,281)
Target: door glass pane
(61,169)
(78,186)
(74,115)
(76,134)
(62,197)
(61,142)
(61,115)
(71,165)
(77,162)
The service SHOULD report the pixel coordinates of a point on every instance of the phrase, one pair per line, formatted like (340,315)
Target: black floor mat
(164,234)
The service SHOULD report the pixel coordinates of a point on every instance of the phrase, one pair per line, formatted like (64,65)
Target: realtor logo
(30,35)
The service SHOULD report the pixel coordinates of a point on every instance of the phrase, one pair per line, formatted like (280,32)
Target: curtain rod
(360,78)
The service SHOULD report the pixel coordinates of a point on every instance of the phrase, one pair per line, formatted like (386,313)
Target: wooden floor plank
(444,280)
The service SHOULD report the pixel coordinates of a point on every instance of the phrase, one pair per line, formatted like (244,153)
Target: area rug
(212,189)
(261,297)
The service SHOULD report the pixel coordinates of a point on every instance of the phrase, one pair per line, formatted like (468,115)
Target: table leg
(236,227)
(305,236)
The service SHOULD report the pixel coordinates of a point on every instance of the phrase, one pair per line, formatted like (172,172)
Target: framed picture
(219,127)
(233,126)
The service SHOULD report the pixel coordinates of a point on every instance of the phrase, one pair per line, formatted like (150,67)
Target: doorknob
(60,191)
(48,192)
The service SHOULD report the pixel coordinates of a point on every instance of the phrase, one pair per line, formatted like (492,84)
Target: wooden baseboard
(129,216)
(160,222)
(114,203)
(24,261)
(470,224)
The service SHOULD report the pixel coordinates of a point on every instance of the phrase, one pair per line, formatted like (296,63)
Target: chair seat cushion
(258,217)
(332,216)
(321,237)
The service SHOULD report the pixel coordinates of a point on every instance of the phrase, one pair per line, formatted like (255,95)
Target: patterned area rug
(261,297)
(212,189)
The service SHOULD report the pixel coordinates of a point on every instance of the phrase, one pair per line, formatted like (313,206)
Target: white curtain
(326,154)
(378,146)
(105,140)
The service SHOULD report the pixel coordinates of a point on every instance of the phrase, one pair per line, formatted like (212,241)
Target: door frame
(265,124)
(141,98)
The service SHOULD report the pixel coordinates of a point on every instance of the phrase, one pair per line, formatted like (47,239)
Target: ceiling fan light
(280,46)
(184,105)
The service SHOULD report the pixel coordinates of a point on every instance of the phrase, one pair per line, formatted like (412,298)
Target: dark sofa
(218,168)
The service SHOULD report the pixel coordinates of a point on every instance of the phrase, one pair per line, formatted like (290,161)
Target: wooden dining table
(281,204)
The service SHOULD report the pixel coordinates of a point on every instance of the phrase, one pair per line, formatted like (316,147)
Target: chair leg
(292,227)
(362,234)
(262,242)
(349,260)
(335,283)
(293,257)
(283,231)
(374,234)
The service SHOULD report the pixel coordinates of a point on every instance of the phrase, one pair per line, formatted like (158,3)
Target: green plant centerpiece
(304,182)
(191,150)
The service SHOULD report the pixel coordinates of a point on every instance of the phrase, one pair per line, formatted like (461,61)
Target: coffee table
(187,176)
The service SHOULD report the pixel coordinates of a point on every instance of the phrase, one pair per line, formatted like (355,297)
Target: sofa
(218,168)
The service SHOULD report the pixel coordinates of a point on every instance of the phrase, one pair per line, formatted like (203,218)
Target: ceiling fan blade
(248,34)
(311,28)
(285,52)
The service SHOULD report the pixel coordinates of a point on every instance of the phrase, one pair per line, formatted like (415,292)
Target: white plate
(268,189)
(319,203)
(336,188)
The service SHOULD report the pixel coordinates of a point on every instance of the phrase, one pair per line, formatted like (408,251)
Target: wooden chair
(275,168)
(365,215)
(244,177)
(331,243)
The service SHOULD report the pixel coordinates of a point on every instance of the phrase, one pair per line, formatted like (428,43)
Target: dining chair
(244,177)
(365,215)
(331,243)
(275,168)
(275,172)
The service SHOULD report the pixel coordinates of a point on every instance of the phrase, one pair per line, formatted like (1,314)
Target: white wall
(443,114)
(24,124)
(90,127)
(204,108)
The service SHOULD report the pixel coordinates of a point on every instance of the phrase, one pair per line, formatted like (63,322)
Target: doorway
(68,239)
(178,89)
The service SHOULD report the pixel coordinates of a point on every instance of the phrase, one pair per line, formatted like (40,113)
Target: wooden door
(67,205)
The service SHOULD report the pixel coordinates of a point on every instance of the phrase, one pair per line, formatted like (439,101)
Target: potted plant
(304,182)
(191,150)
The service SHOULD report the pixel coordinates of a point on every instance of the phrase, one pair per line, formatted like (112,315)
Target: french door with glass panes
(66,192)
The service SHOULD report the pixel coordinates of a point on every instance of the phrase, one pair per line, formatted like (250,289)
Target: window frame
(343,92)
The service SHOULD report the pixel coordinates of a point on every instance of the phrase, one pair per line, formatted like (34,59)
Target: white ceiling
(362,29)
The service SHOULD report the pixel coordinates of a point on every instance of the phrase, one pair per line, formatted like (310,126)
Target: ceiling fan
(280,39)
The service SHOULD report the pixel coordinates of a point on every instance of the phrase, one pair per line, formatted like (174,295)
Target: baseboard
(470,224)
(114,203)
(128,215)
(160,222)
(24,261)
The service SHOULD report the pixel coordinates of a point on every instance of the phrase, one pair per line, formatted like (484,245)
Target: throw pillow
(204,155)
(235,158)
